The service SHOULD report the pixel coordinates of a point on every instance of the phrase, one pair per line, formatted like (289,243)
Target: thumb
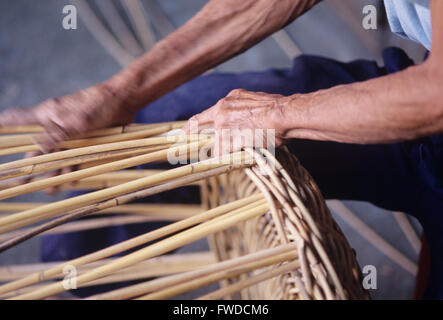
(17,117)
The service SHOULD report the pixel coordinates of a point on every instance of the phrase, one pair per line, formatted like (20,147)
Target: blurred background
(39,60)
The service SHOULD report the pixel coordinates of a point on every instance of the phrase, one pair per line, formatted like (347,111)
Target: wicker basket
(327,264)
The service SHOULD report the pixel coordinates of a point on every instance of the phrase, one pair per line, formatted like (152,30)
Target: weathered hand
(243,119)
(93,108)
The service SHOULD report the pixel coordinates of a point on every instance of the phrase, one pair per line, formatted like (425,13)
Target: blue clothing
(402,177)
(411,19)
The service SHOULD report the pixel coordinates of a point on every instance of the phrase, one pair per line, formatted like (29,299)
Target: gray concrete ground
(39,59)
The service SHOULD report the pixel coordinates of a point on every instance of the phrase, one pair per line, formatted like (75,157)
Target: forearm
(402,106)
(221,30)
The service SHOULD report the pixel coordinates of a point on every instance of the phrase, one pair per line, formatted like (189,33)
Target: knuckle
(234,93)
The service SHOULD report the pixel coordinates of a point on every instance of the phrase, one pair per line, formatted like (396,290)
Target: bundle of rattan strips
(281,195)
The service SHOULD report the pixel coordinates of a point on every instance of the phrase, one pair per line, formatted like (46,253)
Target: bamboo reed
(82,143)
(94,208)
(150,270)
(72,144)
(18,140)
(58,164)
(17,144)
(166,282)
(160,266)
(95,133)
(131,128)
(142,271)
(84,173)
(147,142)
(21,129)
(17,220)
(154,209)
(164,266)
(251,281)
(16,150)
(129,244)
(245,208)
(151,251)
(91,224)
(211,278)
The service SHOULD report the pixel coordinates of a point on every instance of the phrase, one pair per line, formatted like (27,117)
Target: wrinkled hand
(62,118)
(243,119)
(65,117)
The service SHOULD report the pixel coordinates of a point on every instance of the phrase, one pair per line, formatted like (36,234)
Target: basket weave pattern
(327,266)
